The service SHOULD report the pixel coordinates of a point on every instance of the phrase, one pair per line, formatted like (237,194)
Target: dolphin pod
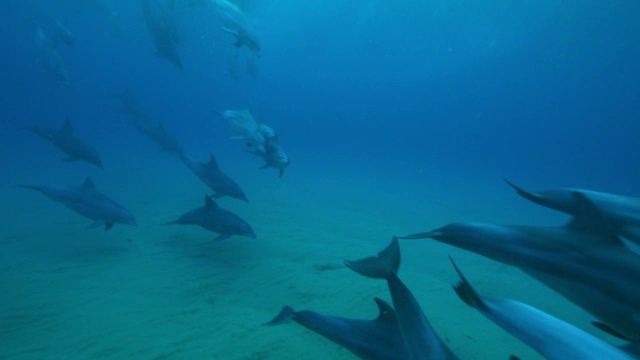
(584,261)
(87,201)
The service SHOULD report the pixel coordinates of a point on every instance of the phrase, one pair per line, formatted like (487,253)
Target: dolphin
(584,261)
(62,33)
(377,339)
(159,135)
(273,156)
(236,23)
(213,177)
(621,212)
(551,337)
(216,219)
(420,339)
(49,58)
(162,28)
(87,201)
(65,140)
(246,128)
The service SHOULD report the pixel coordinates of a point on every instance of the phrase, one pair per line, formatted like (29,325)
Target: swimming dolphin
(49,58)
(236,23)
(377,339)
(159,135)
(65,140)
(584,261)
(87,201)
(551,337)
(246,128)
(216,219)
(420,339)
(621,212)
(273,156)
(213,177)
(163,30)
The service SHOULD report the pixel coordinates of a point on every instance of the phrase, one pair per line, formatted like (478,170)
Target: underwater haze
(396,117)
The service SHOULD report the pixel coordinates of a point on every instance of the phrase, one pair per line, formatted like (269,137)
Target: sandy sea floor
(156,292)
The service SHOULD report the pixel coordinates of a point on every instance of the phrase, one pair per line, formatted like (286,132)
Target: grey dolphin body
(87,201)
(583,261)
(214,218)
(420,339)
(551,337)
(162,28)
(377,339)
(274,156)
(65,140)
(246,128)
(160,136)
(213,177)
(621,212)
(236,23)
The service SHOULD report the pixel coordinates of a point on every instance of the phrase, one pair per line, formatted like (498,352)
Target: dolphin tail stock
(522,192)
(423,235)
(286,314)
(32,187)
(467,293)
(382,266)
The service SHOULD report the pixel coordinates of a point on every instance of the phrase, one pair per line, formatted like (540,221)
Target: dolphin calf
(584,261)
(274,156)
(216,219)
(246,128)
(65,140)
(420,339)
(377,339)
(213,177)
(87,201)
(551,337)
(236,23)
(621,212)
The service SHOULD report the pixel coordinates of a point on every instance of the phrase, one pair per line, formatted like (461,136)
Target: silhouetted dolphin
(213,177)
(621,212)
(551,337)
(65,140)
(583,261)
(49,57)
(159,135)
(162,28)
(420,339)
(377,339)
(88,202)
(214,218)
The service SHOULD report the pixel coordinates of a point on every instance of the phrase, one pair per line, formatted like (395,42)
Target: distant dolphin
(88,202)
(377,339)
(551,337)
(235,22)
(160,136)
(246,128)
(274,156)
(49,58)
(65,140)
(163,30)
(583,261)
(213,177)
(62,33)
(621,212)
(420,339)
(216,219)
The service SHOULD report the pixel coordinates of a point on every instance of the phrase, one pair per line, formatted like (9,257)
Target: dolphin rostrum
(216,219)
(421,340)
(88,202)
(377,339)
(213,177)
(584,261)
(551,337)
(65,140)
(621,212)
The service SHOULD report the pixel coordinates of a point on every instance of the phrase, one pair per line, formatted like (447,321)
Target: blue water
(398,117)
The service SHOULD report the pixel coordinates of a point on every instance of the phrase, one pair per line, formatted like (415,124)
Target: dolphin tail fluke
(466,293)
(382,266)
(286,314)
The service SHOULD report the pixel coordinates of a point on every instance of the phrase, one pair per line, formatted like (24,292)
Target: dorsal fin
(212,162)
(88,183)
(386,313)
(67,127)
(209,203)
(588,218)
